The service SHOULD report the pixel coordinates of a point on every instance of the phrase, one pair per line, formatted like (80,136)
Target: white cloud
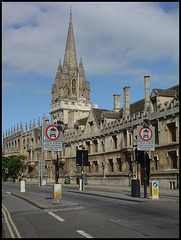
(109,36)
(42,91)
(13,86)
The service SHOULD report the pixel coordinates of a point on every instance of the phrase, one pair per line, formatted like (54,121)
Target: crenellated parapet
(16,131)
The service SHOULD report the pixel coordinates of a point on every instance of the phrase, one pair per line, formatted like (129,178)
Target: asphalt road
(96,217)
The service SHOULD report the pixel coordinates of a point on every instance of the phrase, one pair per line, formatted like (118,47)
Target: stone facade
(109,136)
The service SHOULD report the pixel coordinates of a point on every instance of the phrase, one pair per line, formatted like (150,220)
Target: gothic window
(88,146)
(125,138)
(95,166)
(91,125)
(171,132)
(119,164)
(18,143)
(111,169)
(73,86)
(95,146)
(130,143)
(172,155)
(155,158)
(154,104)
(114,142)
(156,133)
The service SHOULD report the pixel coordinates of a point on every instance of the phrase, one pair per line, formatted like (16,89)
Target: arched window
(73,86)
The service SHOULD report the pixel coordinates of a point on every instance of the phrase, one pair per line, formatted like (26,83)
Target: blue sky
(119,42)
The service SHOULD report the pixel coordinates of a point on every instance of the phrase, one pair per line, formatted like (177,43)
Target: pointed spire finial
(71,13)
(38,122)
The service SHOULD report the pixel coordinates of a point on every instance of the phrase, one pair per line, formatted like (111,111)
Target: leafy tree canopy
(14,164)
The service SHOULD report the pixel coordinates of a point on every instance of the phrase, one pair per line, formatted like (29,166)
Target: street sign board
(146,138)
(52,138)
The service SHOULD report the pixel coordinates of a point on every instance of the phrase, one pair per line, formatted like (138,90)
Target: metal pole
(145,187)
(41,167)
(137,166)
(41,156)
(57,170)
(82,171)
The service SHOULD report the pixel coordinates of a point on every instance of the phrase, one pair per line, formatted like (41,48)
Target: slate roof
(99,113)
(137,106)
(81,121)
(170,92)
(134,107)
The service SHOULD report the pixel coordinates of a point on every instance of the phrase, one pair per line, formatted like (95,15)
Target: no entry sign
(146,138)
(52,138)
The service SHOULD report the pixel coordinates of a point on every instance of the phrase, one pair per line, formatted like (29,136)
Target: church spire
(70,51)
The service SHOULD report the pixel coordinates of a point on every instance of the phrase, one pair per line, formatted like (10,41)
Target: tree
(14,164)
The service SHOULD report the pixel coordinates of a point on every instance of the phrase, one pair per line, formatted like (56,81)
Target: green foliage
(15,164)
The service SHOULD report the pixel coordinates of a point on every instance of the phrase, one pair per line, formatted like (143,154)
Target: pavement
(115,192)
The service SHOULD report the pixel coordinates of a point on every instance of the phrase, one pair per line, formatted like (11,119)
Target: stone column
(117,104)
(126,102)
(147,92)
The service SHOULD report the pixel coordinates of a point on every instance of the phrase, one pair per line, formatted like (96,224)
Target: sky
(119,42)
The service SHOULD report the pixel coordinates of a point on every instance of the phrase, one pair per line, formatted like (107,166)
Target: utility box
(135,188)
(57,193)
(22,186)
(154,190)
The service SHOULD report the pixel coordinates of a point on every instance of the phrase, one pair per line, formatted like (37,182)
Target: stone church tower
(71,91)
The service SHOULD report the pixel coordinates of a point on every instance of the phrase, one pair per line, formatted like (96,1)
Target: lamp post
(145,124)
(83,148)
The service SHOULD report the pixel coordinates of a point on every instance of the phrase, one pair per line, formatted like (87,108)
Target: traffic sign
(52,132)
(52,138)
(145,138)
(154,190)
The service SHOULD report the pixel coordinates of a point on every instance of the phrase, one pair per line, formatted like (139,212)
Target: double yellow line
(10,224)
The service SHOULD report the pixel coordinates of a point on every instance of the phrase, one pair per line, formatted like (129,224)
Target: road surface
(95,217)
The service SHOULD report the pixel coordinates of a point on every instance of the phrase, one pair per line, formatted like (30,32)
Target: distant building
(109,136)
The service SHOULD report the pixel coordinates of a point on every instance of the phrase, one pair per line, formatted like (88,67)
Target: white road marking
(84,234)
(55,216)
(9,221)
(8,192)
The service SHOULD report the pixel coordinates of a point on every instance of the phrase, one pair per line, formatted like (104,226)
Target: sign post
(145,142)
(82,160)
(51,141)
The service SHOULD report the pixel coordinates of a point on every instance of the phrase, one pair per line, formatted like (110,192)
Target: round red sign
(145,134)
(52,132)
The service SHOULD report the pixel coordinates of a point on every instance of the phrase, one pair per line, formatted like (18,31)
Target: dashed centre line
(84,234)
(56,216)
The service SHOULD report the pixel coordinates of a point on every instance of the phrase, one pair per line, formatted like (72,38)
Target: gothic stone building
(109,136)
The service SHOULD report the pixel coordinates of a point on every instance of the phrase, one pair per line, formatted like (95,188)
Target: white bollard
(57,193)
(22,186)
(80,184)
(154,193)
